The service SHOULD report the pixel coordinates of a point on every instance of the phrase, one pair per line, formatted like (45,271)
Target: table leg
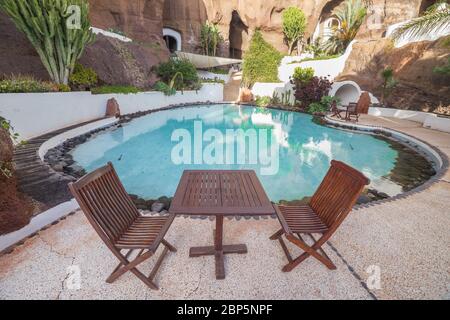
(219,249)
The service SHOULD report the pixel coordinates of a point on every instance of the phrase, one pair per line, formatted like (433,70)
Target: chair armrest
(283,222)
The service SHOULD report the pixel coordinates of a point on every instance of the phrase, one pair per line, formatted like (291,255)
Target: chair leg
(128,266)
(277,235)
(309,251)
(125,265)
(169,246)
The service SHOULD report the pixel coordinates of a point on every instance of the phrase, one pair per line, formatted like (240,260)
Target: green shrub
(323,106)
(83,78)
(115,89)
(189,80)
(26,84)
(445,70)
(164,88)
(263,102)
(64,88)
(261,61)
(317,107)
(303,75)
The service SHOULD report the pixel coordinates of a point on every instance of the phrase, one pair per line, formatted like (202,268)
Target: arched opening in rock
(237,31)
(348,93)
(425,5)
(171,43)
(327,21)
(172,39)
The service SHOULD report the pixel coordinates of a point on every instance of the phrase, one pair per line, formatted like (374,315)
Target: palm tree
(351,16)
(435,19)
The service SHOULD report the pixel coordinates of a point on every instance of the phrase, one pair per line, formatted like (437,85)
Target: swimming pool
(290,153)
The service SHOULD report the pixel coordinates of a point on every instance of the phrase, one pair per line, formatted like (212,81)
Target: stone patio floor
(406,240)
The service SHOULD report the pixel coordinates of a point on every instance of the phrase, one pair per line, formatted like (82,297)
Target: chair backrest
(338,193)
(105,202)
(363,103)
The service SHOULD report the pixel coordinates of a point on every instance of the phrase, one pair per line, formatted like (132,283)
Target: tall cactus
(46,25)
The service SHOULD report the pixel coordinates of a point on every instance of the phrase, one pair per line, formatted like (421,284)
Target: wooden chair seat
(302,219)
(143,233)
(327,209)
(120,225)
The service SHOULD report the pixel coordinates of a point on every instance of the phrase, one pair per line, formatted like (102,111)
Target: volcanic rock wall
(419,87)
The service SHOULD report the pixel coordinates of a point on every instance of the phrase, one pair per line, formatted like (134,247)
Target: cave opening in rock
(237,30)
(171,43)
(425,5)
(172,39)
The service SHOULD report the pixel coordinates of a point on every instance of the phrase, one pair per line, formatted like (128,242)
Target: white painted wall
(266,89)
(323,68)
(34,114)
(110,34)
(429,120)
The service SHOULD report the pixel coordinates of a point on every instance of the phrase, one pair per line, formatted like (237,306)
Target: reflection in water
(144,148)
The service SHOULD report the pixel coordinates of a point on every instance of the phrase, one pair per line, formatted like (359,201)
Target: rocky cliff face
(15,209)
(239,19)
(419,87)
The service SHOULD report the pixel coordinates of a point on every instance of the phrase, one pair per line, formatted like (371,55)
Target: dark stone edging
(440,172)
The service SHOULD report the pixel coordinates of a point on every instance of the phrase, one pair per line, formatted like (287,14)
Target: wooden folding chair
(354,110)
(335,110)
(327,209)
(119,224)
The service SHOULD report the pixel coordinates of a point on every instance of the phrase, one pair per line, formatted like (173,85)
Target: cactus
(45,23)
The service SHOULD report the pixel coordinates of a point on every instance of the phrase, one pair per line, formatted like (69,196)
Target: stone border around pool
(394,135)
(377,130)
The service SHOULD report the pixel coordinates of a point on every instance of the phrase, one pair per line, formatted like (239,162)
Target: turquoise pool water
(143,150)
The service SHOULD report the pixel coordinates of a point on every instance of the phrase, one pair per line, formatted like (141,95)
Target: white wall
(266,89)
(429,120)
(323,68)
(110,34)
(34,114)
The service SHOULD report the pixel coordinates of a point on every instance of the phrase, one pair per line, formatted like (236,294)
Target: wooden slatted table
(220,193)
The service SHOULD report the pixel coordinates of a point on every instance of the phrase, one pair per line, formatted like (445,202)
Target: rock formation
(15,208)
(419,87)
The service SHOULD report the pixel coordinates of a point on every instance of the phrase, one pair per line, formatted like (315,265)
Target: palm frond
(433,22)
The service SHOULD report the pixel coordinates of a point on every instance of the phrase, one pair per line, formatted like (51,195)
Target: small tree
(294,26)
(261,61)
(59,30)
(389,83)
